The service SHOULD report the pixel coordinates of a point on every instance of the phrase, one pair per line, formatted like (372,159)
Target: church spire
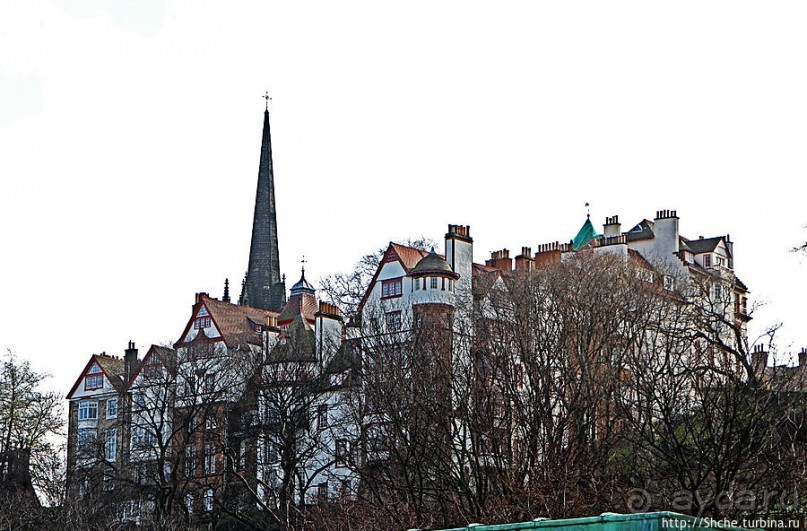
(263,287)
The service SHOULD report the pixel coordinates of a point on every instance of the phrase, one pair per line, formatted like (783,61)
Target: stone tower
(263,287)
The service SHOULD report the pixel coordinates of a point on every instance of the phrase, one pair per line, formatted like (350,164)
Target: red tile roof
(235,323)
(409,256)
(303,304)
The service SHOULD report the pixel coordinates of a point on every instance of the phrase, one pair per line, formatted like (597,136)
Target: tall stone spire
(263,287)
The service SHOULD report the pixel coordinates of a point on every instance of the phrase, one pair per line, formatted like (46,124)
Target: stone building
(250,400)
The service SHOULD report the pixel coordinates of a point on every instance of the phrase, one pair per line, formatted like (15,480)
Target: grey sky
(130,136)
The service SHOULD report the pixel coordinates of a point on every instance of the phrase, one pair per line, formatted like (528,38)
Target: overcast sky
(130,138)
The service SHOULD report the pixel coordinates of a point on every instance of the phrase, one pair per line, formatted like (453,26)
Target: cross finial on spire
(267,98)
(303,262)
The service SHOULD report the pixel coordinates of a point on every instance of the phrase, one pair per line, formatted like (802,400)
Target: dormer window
(391,288)
(707,260)
(201,322)
(93,381)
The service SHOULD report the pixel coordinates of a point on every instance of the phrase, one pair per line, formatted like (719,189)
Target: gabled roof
(304,304)
(704,245)
(234,322)
(165,355)
(111,367)
(642,231)
(408,257)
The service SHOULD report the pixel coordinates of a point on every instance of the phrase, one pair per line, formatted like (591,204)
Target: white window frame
(111,444)
(112,408)
(85,408)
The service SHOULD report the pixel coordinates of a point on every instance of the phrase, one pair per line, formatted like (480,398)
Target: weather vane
(303,261)
(267,98)
(588,211)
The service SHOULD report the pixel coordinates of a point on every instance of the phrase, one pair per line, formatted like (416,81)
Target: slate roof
(296,344)
(705,245)
(642,231)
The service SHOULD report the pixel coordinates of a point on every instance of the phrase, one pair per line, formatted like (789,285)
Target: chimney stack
(500,260)
(666,243)
(803,358)
(271,321)
(460,255)
(524,261)
(759,359)
(612,226)
(200,295)
(130,360)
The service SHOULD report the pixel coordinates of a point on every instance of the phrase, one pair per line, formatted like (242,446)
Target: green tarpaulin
(585,235)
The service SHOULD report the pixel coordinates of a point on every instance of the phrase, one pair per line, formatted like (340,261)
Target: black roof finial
(267,98)
(588,211)
(226,297)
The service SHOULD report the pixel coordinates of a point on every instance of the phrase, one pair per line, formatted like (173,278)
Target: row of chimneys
(759,358)
(526,261)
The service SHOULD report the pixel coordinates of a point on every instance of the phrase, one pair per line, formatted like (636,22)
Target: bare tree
(291,422)
(29,420)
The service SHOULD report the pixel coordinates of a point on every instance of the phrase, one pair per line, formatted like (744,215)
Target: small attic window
(94,380)
(707,260)
(201,322)
(256,327)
